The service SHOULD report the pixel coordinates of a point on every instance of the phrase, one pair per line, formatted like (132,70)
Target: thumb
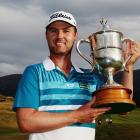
(92,102)
(128,49)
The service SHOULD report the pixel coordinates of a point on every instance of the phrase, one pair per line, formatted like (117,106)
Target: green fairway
(124,127)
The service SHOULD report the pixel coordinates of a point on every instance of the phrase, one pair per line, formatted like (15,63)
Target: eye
(53,30)
(66,30)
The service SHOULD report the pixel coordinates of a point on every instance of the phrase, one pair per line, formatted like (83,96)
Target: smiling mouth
(60,43)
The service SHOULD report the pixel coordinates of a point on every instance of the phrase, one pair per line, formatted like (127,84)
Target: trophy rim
(103,31)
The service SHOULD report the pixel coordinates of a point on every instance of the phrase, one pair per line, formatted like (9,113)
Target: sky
(22,27)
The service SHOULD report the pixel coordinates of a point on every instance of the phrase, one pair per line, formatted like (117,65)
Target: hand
(87,114)
(133,49)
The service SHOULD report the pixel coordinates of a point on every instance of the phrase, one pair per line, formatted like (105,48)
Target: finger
(95,115)
(100,110)
(128,50)
(93,120)
(91,102)
(94,102)
(136,49)
(136,45)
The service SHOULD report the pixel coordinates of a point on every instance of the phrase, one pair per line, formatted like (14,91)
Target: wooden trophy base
(116,97)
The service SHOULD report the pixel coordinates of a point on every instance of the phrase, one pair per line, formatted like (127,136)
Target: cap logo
(62,16)
(56,15)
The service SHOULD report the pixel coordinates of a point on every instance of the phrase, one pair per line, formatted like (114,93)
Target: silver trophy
(107,48)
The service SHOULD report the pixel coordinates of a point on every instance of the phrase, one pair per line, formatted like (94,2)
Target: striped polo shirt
(45,87)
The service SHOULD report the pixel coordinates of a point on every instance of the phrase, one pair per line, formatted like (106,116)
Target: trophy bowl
(107,52)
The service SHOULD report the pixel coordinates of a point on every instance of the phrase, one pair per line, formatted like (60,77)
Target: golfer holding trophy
(107,52)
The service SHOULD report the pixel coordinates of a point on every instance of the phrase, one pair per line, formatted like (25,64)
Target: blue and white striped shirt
(45,87)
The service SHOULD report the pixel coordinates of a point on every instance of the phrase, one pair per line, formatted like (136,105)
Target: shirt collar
(49,65)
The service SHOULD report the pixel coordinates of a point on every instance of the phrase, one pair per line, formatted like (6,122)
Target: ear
(76,36)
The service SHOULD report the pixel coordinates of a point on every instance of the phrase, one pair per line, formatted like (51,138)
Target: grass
(118,132)
(124,127)
(8,125)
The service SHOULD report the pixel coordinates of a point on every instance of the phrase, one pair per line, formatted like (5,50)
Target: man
(54,98)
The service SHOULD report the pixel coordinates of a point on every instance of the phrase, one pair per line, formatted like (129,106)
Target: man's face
(60,36)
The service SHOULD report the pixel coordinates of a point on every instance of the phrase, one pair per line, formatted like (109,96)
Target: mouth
(60,43)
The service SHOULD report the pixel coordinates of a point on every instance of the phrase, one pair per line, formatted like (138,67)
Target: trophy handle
(81,54)
(125,40)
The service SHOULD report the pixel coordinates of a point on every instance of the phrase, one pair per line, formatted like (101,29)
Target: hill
(8,85)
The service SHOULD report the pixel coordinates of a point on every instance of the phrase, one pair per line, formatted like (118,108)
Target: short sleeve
(27,95)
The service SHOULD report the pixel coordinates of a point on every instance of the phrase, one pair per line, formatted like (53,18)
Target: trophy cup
(107,52)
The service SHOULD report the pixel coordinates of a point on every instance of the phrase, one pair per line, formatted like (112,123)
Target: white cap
(62,16)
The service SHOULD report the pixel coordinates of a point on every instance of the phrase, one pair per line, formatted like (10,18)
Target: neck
(63,62)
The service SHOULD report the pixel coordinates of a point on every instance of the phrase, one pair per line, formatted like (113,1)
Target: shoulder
(32,71)
(33,68)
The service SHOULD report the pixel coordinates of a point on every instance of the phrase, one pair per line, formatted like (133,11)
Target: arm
(30,120)
(134,50)
(127,80)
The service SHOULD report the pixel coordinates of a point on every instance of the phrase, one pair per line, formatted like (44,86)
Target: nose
(60,34)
